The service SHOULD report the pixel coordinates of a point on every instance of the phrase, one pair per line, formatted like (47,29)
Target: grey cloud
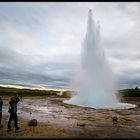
(32,79)
(127,82)
(9,57)
(39,23)
(14,68)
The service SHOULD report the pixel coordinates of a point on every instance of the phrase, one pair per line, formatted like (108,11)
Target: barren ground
(59,120)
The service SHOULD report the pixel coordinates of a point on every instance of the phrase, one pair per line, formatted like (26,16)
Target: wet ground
(82,122)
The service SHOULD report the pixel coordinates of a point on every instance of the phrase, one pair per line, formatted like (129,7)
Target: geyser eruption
(97,88)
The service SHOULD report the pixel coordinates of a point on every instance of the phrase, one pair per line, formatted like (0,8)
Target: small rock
(115,119)
(32,122)
(1,126)
(81,124)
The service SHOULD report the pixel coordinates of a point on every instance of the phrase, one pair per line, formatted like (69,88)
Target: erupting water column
(97,88)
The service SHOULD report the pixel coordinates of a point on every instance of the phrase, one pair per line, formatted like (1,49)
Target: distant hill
(129,92)
(8,91)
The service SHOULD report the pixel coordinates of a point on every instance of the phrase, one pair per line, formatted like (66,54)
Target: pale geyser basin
(114,106)
(117,106)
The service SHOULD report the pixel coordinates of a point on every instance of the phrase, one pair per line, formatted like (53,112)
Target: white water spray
(97,88)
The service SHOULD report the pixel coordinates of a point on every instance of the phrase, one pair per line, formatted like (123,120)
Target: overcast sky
(41,43)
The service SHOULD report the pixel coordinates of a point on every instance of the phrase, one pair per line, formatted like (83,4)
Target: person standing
(1,103)
(13,113)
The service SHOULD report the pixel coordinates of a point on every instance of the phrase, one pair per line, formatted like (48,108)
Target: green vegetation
(130,92)
(6,91)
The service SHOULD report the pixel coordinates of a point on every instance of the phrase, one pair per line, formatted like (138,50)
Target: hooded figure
(1,103)
(13,112)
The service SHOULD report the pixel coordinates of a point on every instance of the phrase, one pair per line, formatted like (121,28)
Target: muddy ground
(59,120)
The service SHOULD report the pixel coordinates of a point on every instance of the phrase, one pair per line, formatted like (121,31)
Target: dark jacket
(13,105)
(1,103)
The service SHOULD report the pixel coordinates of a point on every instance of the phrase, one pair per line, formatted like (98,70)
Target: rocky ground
(59,120)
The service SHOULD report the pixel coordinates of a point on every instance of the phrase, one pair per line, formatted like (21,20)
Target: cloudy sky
(41,43)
